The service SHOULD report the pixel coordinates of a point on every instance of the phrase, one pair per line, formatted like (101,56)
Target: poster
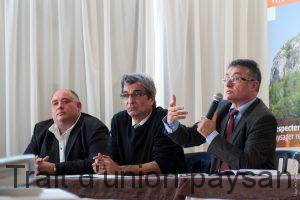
(284,64)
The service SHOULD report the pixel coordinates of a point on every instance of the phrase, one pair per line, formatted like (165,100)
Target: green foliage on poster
(285,96)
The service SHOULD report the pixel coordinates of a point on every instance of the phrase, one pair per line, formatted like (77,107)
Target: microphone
(214,105)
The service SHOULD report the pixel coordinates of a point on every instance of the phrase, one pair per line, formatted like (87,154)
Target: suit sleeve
(168,155)
(33,148)
(113,142)
(187,136)
(96,142)
(260,144)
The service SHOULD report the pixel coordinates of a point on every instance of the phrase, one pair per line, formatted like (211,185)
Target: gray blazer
(252,143)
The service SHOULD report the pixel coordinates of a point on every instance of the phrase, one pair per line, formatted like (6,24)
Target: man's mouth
(61,113)
(228,92)
(131,108)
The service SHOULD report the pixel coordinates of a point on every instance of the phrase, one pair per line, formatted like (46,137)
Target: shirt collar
(134,124)
(54,128)
(244,107)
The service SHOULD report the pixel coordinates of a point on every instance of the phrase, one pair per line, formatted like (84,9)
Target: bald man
(67,143)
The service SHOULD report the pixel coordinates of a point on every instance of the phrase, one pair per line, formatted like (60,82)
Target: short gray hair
(141,78)
(73,93)
(251,67)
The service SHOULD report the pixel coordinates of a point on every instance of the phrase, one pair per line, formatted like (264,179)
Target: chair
(198,162)
(284,157)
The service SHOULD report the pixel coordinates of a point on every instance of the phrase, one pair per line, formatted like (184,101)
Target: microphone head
(218,97)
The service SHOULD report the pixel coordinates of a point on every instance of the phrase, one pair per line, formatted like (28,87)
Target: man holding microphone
(242,133)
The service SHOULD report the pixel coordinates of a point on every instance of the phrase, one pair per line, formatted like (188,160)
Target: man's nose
(60,104)
(131,99)
(228,83)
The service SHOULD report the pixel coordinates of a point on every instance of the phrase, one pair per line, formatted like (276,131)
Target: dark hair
(251,67)
(143,79)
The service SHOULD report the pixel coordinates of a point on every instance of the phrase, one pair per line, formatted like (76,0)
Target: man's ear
(79,105)
(153,99)
(256,85)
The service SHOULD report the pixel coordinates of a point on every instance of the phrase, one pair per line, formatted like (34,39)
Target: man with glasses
(242,133)
(67,143)
(138,143)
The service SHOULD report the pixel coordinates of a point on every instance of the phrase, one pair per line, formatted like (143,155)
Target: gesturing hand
(174,112)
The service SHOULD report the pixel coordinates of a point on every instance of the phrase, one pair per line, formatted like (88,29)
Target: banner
(272,3)
(284,63)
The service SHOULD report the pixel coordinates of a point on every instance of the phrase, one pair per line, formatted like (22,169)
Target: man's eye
(134,95)
(65,101)
(124,95)
(137,93)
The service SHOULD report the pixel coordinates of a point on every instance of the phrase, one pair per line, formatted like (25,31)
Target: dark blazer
(88,137)
(252,143)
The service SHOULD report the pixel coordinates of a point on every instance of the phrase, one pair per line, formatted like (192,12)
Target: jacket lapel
(223,114)
(73,135)
(50,147)
(242,121)
(221,128)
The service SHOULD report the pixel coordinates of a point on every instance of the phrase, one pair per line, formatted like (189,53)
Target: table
(36,193)
(267,186)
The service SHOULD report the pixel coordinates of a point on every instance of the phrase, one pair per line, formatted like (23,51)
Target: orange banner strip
(272,3)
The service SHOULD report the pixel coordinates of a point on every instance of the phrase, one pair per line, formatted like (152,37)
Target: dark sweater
(146,143)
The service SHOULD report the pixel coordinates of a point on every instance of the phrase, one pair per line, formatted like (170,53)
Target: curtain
(200,38)
(88,45)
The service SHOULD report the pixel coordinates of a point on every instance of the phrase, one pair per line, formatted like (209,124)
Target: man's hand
(207,126)
(97,166)
(104,164)
(175,113)
(43,166)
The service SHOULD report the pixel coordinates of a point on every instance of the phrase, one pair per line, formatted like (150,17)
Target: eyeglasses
(136,94)
(62,101)
(236,79)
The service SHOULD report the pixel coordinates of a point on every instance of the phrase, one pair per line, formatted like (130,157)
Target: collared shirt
(135,125)
(62,139)
(170,128)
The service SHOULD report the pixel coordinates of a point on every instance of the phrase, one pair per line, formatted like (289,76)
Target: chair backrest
(287,160)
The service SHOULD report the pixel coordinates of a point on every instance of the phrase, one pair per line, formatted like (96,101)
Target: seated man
(67,143)
(138,143)
(242,133)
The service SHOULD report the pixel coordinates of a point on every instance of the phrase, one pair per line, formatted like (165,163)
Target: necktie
(229,129)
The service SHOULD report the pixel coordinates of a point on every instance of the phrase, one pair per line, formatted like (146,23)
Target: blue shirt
(171,128)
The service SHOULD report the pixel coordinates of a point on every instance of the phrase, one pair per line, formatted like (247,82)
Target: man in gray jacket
(242,133)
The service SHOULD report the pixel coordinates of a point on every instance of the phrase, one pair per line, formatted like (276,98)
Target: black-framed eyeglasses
(136,94)
(236,79)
